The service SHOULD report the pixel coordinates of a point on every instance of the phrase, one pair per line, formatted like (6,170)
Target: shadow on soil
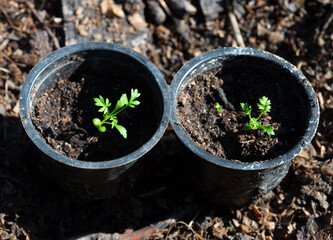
(46,211)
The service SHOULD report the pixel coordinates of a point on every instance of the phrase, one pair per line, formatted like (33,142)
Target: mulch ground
(34,207)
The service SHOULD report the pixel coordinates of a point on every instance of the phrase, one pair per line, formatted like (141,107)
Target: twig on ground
(166,8)
(4,70)
(219,93)
(196,215)
(165,71)
(319,39)
(235,28)
(4,44)
(196,235)
(180,25)
(143,233)
(41,20)
(328,22)
(6,91)
(10,85)
(11,24)
(7,57)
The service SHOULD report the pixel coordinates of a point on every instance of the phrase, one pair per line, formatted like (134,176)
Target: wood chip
(16,109)
(269,225)
(236,223)
(261,31)
(303,154)
(245,229)
(57,20)
(275,37)
(137,21)
(16,73)
(256,212)
(81,30)
(111,9)
(327,168)
(211,8)
(321,100)
(28,59)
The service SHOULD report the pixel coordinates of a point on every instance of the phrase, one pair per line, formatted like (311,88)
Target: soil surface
(32,206)
(63,117)
(220,133)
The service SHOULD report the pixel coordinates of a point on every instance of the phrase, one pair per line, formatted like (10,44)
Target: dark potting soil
(221,133)
(63,117)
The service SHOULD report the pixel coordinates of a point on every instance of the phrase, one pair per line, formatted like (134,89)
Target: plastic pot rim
(233,52)
(90,46)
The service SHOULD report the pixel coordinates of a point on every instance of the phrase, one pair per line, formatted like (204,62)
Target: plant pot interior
(62,106)
(243,79)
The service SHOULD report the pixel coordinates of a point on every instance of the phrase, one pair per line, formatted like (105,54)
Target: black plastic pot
(97,179)
(238,183)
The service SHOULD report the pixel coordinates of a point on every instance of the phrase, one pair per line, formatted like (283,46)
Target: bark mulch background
(171,33)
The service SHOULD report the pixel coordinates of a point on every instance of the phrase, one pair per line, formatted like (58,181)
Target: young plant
(110,117)
(265,106)
(218,107)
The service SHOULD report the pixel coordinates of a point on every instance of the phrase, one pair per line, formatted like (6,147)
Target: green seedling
(265,106)
(110,117)
(218,107)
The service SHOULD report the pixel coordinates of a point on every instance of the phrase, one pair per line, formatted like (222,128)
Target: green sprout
(218,107)
(264,105)
(110,117)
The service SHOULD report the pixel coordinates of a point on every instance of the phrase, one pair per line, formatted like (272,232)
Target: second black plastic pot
(96,179)
(238,183)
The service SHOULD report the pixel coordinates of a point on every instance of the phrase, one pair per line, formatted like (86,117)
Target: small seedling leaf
(121,102)
(134,94)
(107,102)
(218,107)
(246,108)
(122,130)
(97,122)
(133,104)
(102,129)
(269,130)
(254,123)
(136,102)
(99,101)
(264,104)
(247,127)
(114,121)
